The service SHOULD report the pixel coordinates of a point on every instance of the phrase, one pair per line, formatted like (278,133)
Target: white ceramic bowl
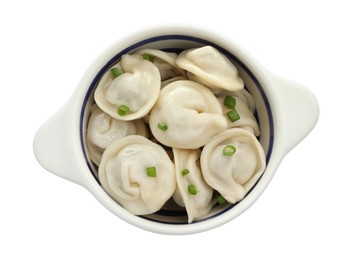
(286,112)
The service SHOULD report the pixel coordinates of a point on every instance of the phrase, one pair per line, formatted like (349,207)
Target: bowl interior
(171,213)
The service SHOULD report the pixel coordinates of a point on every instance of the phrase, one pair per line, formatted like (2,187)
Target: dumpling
(164,61)
(192,191)
(138,174)
(130,93)
(232,162)
(245,96)
(102,130)
(186,116)
(242,116)
(208,66)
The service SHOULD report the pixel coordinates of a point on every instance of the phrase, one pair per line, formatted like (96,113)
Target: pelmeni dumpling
(246,120)
(245,96)
(232,162)
(164,61)
(138,174)
(208,66)
(103,129)
(132,94)
(192,191)
(186,116)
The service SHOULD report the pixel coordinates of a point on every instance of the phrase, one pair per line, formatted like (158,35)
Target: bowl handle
(57,148)
(297,112)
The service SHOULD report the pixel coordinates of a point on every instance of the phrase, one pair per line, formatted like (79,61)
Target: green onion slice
(192,189)
(221,200)
(151,171)
(229,150)
(230,102)
(162,126)
(123,110)
(116,72)
(233,115)
(148,57)
(185,172)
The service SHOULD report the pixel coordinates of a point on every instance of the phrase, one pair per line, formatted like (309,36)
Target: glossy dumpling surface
(138,174)
(103,130)
(164,61)
(190,113)
(210,67)
(231,173)
(199,201)
(137,88)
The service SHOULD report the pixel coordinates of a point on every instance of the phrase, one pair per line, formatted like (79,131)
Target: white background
(45,48)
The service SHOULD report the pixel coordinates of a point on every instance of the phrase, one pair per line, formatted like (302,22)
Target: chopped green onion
(185,172)
(221,200)
(123,110)
(192,189)
(230,102)
(116,72)
(233,115)
(148,57)
(151,171)
(162,126)
(229,150)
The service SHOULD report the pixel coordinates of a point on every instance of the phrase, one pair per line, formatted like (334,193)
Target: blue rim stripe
(112,61)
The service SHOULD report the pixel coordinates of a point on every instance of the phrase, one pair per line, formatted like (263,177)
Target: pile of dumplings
(167,126)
